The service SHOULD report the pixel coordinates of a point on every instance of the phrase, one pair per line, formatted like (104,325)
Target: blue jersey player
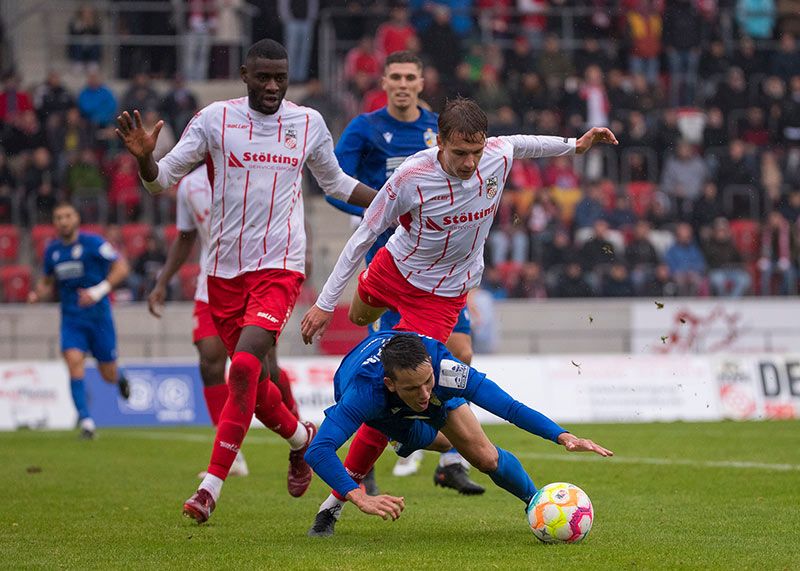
(412,389)
(84,268)
(370,149)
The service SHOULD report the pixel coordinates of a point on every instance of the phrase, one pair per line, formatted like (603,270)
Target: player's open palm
(574,444)
(383,505)
(314,323)
(131,132)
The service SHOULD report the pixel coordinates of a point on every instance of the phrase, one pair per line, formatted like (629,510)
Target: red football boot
(300,473)
(199,506)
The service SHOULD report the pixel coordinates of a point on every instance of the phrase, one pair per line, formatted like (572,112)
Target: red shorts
(264,298)
(382,285)
(203,322)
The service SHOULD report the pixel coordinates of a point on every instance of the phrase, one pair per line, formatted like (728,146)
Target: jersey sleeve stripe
(505,169)
(224,180)
(244,215)
(419,224)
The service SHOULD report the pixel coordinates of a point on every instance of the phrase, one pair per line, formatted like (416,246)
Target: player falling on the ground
(412,389)
(193,206)
(370,148)
(84,268)
(258,146)
(445,198)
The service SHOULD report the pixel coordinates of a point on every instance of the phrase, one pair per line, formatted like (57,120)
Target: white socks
(88,424)
(212,485)
(333,503)
(449,458)
(299,438)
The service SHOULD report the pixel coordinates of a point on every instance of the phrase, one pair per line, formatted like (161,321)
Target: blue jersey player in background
(84,268)
(371,147)
(412,389)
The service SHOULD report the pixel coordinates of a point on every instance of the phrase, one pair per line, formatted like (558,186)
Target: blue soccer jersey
(373,145)
(80,265)
(362,397)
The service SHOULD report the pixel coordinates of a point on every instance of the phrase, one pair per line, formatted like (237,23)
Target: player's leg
(376,289)
(102,339)
(363,314)
(74,358)
(465,432)
(281,379)
(212,359)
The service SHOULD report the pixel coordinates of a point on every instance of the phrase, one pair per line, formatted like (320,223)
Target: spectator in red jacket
(13,101)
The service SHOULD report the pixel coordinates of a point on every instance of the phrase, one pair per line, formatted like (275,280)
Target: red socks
(271,411)
(366,448)
(237,412)
(285,385)
(216,396)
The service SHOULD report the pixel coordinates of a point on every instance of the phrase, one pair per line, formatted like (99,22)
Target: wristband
(99,291)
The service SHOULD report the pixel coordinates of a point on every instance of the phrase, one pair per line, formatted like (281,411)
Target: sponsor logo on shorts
(267,316)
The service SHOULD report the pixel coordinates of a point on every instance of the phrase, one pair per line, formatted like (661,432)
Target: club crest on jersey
(491,187)
(77,251)
(290,137)
(430,138)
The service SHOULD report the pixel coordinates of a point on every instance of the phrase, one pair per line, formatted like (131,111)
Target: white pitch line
(736,464)
(182,437)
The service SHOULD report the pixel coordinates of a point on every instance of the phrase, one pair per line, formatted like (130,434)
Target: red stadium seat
(16,283)
(641,195)
(170,234)
(41,236)
(187,276)
(746,236)
(9,243)
(134,237)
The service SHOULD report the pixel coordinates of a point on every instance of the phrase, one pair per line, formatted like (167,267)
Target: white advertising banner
(679,326)
(35,395)
(763,386)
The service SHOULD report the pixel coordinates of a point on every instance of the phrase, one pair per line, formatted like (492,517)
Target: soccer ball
(560,513)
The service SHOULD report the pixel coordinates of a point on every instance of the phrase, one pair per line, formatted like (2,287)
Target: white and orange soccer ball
(560,513)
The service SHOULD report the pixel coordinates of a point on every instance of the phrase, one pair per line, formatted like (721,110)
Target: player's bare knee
(356,317)
(485,459)
(212,371)
(109,372)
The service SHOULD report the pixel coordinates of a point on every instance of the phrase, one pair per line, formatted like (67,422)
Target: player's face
(66,221)
(267,81)
(402,83)
(413,386)
(460,156)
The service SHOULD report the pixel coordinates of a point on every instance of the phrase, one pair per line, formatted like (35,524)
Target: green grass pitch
(689,496)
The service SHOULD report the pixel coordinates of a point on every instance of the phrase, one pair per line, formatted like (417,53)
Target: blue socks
(511,476)
(78,390)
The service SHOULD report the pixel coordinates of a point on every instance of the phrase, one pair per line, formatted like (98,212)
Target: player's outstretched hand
(156,300)
(592,136)
(574,444)
(130,131)
(383,505)
(314,323)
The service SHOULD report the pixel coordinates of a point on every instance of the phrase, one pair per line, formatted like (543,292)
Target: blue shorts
(411,434)
(97,338)
(390,319)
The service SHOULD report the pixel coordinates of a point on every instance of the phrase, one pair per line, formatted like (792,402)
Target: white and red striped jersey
(194,213)
(444,221)
(257,218)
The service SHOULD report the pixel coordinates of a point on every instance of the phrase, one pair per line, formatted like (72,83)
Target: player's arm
(488,395)
(158,176)
(349,152)
(43,290)
(117,273)
(178,254)
(332,179)
(341,422)
(537,146)
(387,207)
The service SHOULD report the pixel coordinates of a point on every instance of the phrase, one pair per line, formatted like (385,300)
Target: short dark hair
(267,49)
(64,204)
(464,116)
(404,56)
(403,352)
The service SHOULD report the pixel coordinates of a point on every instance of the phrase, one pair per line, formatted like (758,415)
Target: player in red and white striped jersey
(258,146)
(445,199)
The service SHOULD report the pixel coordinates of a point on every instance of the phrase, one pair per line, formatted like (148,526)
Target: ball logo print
(560,513)
(142,395)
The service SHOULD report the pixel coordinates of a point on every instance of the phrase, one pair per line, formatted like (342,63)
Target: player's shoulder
(429,117)
(499,145)
(90,238)
(291,110)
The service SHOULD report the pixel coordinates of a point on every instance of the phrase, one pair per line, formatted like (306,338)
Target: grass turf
(673,497)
